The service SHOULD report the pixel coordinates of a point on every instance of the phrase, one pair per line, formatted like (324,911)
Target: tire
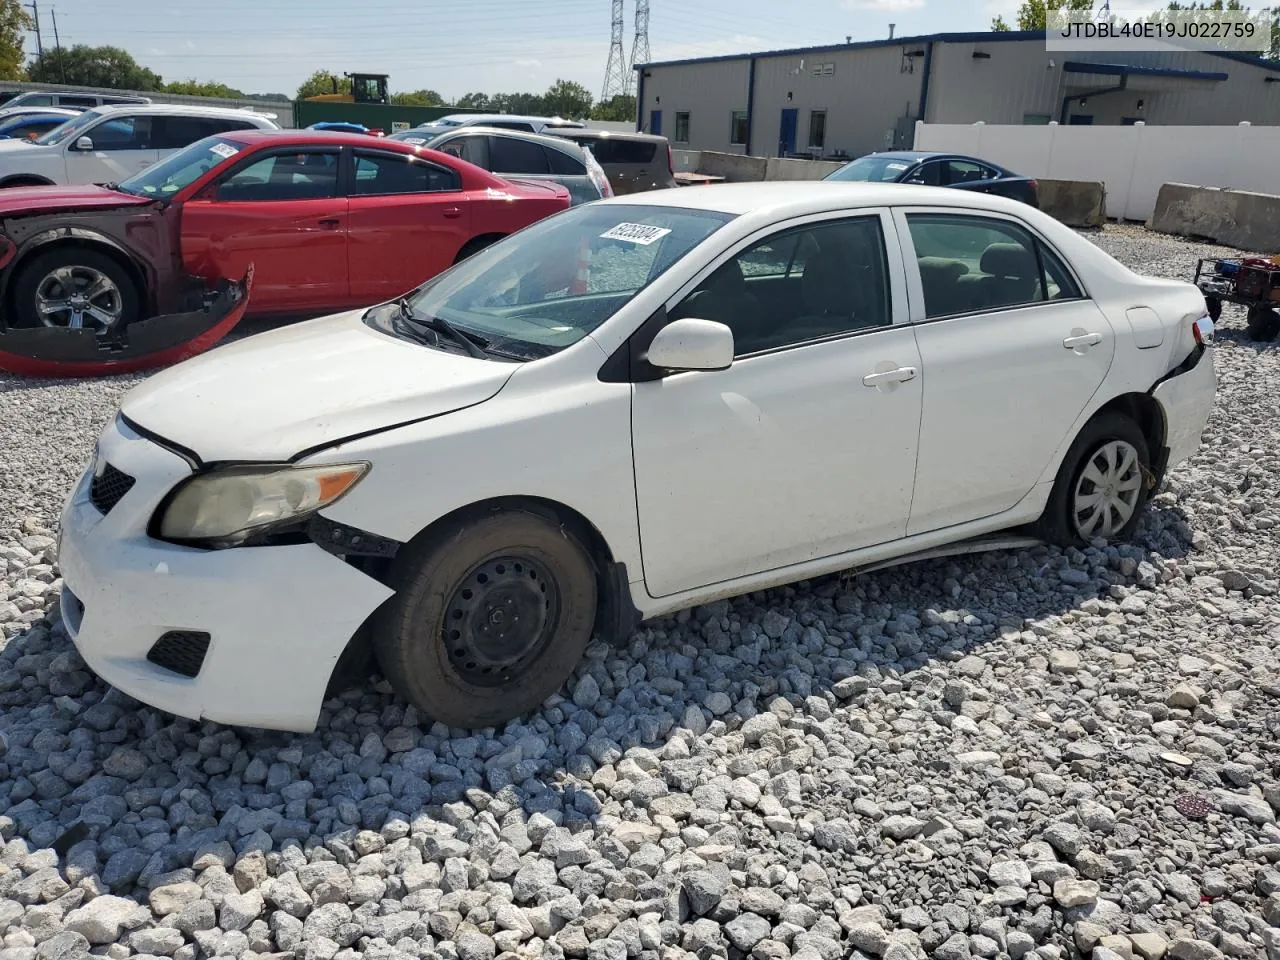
(507,564)
(38,280)
(1263,323)
(1061,523)
(1213,306)
(25,182)
(474,246)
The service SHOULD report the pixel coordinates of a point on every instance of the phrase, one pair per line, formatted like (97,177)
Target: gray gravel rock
(989,746)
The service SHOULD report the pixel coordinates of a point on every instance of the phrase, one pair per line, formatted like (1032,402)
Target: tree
(14,23)
(1033,14)
(474,101)
(568,99)
(322,81)
(621,107)
(84,66)
(203,88)
(418,98)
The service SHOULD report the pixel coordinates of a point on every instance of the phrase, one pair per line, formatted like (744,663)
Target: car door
(1014,350)
(408,219)
(805,447)
(929,173)
(120,146)
(282,211)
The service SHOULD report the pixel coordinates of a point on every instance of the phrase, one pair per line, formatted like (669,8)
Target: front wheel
(1263,323)
(1102,485)
(490,618)
(75,288)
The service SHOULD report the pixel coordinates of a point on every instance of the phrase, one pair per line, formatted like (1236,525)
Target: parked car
(529,156)
(76,101)
(108,144)
(340,126)
(479,478)
(633,162)
(27,123)
(503,121)
(325,221)
(940,170)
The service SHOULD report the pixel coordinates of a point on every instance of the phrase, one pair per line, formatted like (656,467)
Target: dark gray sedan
(940,170)
(529,156)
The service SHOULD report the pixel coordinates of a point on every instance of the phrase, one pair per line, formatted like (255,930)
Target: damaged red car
(146,272)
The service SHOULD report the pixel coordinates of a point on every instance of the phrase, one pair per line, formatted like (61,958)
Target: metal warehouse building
(855,98)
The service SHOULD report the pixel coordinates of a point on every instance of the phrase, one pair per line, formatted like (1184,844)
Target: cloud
(528,63)
(883,6)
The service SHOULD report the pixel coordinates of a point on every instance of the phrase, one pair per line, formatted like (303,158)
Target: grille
(107,488)
(181,651)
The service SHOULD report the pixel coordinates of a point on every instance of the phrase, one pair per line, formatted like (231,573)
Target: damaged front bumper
(154,342)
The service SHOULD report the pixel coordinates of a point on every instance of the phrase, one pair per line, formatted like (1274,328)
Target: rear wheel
(1102,485)
(490,618)
(1263,323)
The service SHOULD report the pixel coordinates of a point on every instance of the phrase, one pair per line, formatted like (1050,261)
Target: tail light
(1034,184)
(1202,330)
(671,164)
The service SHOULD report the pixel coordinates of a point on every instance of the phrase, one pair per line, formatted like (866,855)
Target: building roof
(977,36)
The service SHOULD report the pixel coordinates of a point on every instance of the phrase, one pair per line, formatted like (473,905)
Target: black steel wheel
(1263,323)
(490,617)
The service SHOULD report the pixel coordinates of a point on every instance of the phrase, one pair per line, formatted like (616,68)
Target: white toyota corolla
(632,407)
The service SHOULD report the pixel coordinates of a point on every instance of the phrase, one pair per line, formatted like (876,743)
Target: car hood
(16,201)
(275,395)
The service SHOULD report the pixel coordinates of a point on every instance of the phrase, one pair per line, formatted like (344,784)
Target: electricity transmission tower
(616,78)
(640,45)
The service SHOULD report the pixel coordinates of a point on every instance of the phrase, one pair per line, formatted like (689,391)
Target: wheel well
(475,243)
(26,180)
(122,260)
(1143,410)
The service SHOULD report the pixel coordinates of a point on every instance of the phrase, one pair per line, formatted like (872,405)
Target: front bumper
(1186,400)
(278,617)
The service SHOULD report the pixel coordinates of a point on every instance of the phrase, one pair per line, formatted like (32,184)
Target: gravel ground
(987,757)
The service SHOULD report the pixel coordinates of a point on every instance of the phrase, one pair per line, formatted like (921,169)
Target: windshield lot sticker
(223,150)
(640,233)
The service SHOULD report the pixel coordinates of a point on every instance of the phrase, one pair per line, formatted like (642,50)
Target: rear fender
(154,342)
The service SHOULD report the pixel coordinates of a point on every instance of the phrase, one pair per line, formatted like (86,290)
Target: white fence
(1132,161)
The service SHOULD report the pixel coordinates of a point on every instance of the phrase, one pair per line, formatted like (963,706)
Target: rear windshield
(608,150)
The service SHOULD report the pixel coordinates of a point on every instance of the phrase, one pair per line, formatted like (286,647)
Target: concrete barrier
(1236,218)
(1077,203)
(734,167)
(787,168)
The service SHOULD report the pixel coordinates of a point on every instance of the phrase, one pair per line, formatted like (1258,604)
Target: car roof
(181,109)
(340,137)
(598,134)
(473,119)
(781,199)
(20,110)
(556,143)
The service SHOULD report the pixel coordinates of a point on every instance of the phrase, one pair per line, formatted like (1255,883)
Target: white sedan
(629,408)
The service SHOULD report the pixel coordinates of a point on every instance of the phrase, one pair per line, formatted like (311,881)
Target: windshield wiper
(475,345)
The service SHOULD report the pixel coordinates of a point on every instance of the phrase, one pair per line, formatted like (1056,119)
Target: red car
(105,279)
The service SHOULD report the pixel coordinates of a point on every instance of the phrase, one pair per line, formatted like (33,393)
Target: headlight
(225,506)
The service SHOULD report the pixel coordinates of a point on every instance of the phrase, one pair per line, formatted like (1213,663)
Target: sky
(262,46)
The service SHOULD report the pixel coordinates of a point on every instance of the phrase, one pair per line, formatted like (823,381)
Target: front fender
(153,342)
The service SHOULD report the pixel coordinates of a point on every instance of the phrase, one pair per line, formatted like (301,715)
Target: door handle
(1081,339)
(453,213)
(330,223)
(885,377)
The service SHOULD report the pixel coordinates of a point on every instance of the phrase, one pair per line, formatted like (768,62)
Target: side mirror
(84,143)
(692,344)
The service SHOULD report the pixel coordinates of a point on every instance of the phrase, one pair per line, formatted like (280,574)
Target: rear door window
(565,165)
(512,155)
(379,174)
